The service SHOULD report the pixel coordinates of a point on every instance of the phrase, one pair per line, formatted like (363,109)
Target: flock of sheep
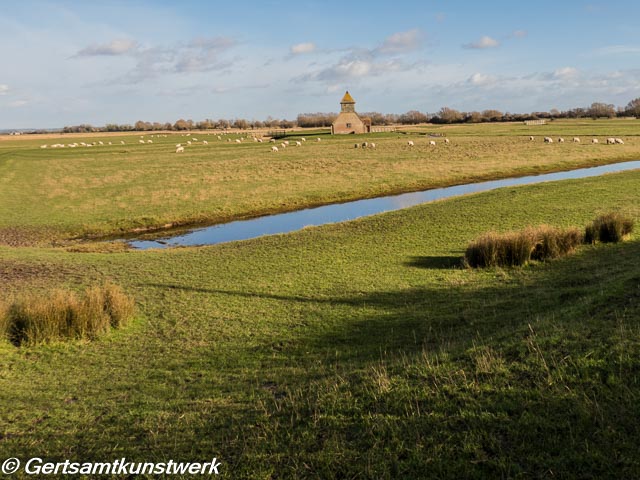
(79,144)
(610,140)
(432,143)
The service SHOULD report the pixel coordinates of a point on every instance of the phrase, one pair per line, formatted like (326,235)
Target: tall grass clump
(608,228)
(493,249)
(552,242)
(513,249)
(4,318)
(61,314)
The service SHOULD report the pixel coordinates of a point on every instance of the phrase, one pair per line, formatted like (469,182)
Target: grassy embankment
(358,350)
(55,194)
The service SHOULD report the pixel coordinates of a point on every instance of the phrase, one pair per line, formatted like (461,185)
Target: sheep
(194,139)
(548,140)
(619,141)
(531,138)
(255,140)
(298,144)
(259,140)
(180,150)
(228,139)
(365,144)
(178,145)
(140,141)
(595,140)
(204,142)
(274,149)
(318,139)
(576,140)
(238,140)
(101,143)
(560,140)
(141,136)
(219,137)
(302,139)
(410,143)
(286,142)
(273,140)
(432,143)
(121,142)
(188,142)
(446,140)
(283,145)
(83,144)
(149,141)
(109,143)
(372,145)
(611,141)
(43,146)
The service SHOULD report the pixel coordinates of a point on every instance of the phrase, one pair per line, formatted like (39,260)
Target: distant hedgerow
(33,319)
(608,228)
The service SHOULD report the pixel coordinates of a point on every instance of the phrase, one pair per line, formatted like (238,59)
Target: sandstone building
(348,120)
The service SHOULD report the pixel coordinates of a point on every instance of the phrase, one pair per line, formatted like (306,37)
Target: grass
(351,350)
(59,315)
(110,190)
(519,248)
(609,228)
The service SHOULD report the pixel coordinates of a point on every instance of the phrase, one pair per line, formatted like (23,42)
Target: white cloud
(519,33)
(401,42)
(565,73)
(301,48)
(484,42)
(4,89)
(113,48)
(482,79)
(18,103)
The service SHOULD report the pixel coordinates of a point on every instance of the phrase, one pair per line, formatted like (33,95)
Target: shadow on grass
(436,262)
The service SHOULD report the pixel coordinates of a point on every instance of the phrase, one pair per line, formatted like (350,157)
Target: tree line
(413,117)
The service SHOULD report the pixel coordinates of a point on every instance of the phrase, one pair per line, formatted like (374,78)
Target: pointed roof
(347,98)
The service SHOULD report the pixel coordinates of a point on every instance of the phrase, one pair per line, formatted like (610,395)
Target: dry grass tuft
(608,228)
(34,319)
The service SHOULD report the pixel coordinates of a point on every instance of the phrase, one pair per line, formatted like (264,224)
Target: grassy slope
(353,350)
(110,189)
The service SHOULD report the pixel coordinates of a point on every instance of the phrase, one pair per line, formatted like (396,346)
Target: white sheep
(611,141)
(595,140)
(560,140)
(101,143)
(259,140)
(298,144)
(446,140)
(180,150)
(357,145)
(43,146)
(286,142)
(531,139)
(318,139)
(274,149)
(273,140)
(238,140)
(576,140)
(204,142)
(219,137)
(140,141)
(410,143)
(283,145)
(149,141)
(619,141)
(194,139)
(365,144)
(188,142)
(121,142)
(109,143)
(178,145)
(302,139)
(432,143)
(548,140)
(372,145)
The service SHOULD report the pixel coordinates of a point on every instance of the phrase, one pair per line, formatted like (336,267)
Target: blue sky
(71,62)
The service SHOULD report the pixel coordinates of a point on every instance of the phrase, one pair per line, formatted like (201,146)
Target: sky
(72,62)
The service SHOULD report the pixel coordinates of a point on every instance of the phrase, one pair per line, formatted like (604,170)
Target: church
(348,120)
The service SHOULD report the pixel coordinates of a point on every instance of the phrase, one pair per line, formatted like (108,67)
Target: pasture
(355,350)
(114,189)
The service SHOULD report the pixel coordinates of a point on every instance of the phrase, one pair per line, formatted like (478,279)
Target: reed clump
(59,315)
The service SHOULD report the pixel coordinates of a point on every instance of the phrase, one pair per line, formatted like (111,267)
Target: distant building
(348,120)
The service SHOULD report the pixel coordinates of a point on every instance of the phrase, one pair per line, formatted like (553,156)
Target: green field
(355,350)
(110,190)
